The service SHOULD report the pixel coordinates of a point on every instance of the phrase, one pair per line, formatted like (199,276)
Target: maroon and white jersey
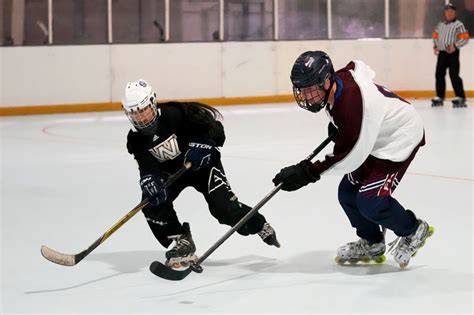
(371,120)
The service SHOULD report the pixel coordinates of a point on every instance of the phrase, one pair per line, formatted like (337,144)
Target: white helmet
(140,106)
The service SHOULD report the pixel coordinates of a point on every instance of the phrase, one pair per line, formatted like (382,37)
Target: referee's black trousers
(450,61)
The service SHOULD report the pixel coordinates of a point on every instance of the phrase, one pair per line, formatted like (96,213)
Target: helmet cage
(314,97)
(143,115)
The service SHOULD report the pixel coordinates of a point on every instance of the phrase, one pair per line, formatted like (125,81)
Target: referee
(448,37)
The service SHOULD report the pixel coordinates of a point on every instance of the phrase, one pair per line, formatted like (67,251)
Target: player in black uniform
(164,137)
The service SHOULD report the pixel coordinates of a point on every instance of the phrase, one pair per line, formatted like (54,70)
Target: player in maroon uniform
(378,135)
(164,137)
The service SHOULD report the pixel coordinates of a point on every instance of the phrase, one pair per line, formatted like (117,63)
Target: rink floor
(65,179)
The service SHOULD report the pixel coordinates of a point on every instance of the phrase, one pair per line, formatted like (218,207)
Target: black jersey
(164,150)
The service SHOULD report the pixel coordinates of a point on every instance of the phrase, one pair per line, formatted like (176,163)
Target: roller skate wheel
(431,231)
(353,261)
(176,265)
(339,260)
(365,259)
(380,259)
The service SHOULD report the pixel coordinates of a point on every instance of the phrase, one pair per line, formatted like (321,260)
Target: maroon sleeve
(347,116)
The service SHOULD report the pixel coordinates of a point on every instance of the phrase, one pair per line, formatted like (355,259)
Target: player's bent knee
(374,208)
(346,191)
(230,215)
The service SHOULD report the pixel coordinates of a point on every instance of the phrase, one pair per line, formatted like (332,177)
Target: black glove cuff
(306,167)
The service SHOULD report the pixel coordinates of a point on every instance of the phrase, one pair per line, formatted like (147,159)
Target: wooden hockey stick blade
(65,259)
(57,257)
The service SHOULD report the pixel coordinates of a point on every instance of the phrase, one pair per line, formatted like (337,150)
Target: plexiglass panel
(24,22)
(302,19)
(194,20)
(414,19)
(141,21)
(358,18)
(79,22)
(465,13)
(248,20)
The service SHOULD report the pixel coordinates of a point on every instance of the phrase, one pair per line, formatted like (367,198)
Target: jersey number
(387,93)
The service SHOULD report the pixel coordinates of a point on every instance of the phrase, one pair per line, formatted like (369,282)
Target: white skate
(362,250)
(404,248)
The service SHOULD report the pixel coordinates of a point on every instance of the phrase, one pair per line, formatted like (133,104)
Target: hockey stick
(168,273)
(71,260)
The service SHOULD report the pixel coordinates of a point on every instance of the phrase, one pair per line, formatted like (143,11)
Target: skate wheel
(353,261)
(176,265)
(380,259)
(340,260)
(403,265)
(431,231)
(366,259)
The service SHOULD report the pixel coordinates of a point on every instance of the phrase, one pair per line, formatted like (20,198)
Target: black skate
(437,101)
(459,102)
(268,235)
(182,253)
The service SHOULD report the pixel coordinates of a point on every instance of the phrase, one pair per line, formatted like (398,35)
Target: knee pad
(374,208)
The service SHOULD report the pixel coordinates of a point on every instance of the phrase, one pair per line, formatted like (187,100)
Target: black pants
(212,183)
(450,61)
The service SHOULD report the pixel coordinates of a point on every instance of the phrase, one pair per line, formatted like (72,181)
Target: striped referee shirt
(450,33)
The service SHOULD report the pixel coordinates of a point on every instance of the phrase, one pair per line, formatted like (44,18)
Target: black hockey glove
(296,176)
(199,153)
(152,187)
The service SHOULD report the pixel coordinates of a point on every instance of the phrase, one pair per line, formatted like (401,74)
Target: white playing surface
(65,179)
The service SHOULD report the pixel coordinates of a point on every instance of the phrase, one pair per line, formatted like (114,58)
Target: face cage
(314,93)
(144,118)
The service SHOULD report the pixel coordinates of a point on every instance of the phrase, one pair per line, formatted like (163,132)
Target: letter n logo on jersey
(166,150)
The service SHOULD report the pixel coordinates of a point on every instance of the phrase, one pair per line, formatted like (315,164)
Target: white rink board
(98,73)
(175,70)
(55,75)
(249,69)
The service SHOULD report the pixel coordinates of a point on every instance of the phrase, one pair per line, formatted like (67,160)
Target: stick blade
(167,273)
(57,257)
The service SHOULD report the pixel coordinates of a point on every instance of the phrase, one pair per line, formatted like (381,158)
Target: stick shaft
(259,205)
(71,260)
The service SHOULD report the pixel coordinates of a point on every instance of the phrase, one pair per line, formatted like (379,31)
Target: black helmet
(312,68)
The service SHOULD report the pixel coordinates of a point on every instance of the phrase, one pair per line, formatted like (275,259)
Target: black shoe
(268,235)
(459,102)
(437,101)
